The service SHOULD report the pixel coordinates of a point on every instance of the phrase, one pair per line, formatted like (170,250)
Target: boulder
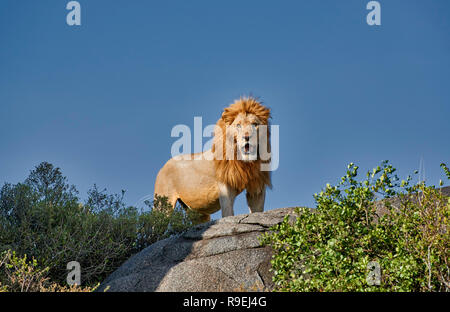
(221,255)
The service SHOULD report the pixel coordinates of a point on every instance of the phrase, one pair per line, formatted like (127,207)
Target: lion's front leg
(226,199)
(256,201)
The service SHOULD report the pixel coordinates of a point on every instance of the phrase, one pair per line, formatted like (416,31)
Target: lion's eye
(238,126)
(255,124)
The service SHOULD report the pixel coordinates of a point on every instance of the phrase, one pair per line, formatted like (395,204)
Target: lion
(209,181)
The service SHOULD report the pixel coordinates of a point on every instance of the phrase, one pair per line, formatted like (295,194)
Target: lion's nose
(247,137)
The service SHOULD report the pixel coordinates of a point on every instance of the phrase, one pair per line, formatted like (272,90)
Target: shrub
(44,219)
(332,248)
(20,274)
(161,222)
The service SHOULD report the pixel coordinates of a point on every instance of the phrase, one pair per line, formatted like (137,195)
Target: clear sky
(99,100)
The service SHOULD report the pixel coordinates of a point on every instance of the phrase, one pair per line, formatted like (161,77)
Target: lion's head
(242,134)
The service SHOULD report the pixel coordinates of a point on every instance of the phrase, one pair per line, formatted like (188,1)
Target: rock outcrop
(221,255)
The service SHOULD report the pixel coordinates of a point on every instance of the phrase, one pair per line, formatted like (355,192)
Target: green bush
(43,218)
(406,232)
(23,275)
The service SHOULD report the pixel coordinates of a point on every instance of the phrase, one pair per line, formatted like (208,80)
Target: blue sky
(99,100)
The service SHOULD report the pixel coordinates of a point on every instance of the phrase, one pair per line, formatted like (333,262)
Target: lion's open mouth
(247,148)
(248,152)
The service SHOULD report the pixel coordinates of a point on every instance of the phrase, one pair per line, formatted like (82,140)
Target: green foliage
(44,219)
(329,248)
(23,275)
(446,170)
(162,222)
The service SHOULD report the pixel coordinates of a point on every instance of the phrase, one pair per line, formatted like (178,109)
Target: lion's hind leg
(162,202)
(197,217)
(203,217)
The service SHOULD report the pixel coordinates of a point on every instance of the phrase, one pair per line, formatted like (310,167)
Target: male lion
(209,181)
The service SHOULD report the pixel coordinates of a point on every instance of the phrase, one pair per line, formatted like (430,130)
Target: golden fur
(237,173)
(208,181)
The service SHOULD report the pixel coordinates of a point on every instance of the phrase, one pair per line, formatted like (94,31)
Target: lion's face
(245,124)
(245,131)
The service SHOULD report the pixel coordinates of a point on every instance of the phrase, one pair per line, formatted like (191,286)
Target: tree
(51,186)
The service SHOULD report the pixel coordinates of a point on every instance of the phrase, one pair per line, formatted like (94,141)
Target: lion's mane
(237,173)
